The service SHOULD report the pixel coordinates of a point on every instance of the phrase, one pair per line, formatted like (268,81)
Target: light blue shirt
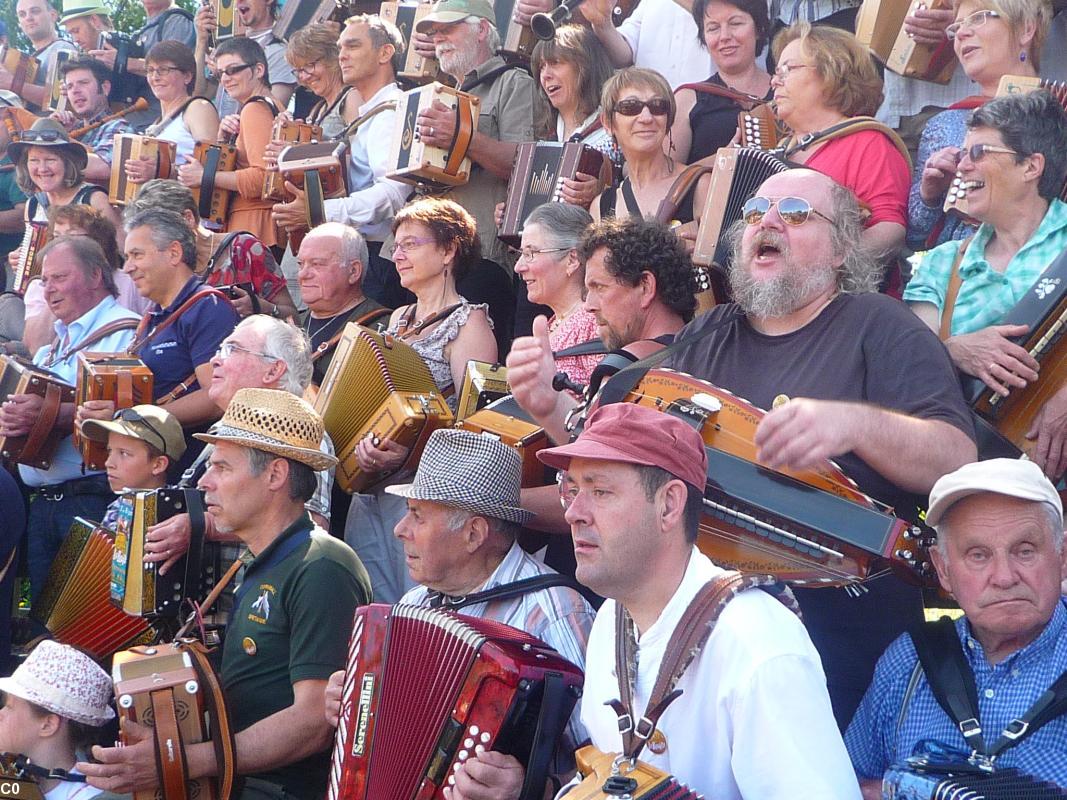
(986,294)
(67,462)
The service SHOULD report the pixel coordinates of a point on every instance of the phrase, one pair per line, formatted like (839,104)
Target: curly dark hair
(636,246)
(448,223)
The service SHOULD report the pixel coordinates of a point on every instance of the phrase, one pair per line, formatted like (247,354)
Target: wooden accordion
(759,127)
(482,384)
(505,420)
(119,377)
(57,95)
(910,782)
(415,69)
(212,203)
(811,527)
(426,689)
(537,177)
(377,386)
(164,154)
(227,22)
(319,169)
(909,58)
(28,267)
(606,775)
(75,604)
(37,447)
(737,173)
(1044,309)
(136,586)
(415,162)
(174,689)
(293,132)
(23,67)
(297,15)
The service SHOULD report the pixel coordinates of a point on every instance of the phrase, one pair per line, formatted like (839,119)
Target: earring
(1022,56)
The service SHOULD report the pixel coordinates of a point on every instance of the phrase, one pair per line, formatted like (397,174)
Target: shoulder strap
(950,677)
(85,193)
(198,295)
(608,199)
(440,315)
(492,74)
(323,348)
(955,281)
(630,197)
(507,591)
(354,125)
(269,101)
(100,334)
(743,99)
(680,188)
(224,245)
(844,128)
(592,347)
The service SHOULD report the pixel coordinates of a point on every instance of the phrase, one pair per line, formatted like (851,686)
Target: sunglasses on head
(42,136)
(631,107)
(129,415)
(792,210)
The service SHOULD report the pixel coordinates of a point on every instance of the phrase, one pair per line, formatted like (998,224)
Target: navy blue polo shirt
(180,348)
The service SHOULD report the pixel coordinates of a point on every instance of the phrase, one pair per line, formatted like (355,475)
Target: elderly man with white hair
(1000,554)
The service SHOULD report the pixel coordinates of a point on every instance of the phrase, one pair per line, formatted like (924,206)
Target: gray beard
(778,296)
(458,63)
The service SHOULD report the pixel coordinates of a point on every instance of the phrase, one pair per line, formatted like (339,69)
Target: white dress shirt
(663,37)
(374,199)
(754,720)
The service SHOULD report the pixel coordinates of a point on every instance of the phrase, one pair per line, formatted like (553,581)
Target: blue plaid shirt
(102,139)
(880,736)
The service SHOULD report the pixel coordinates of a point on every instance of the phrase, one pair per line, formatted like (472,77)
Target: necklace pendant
(657,742)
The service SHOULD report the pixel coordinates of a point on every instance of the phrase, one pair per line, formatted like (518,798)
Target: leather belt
(90,484)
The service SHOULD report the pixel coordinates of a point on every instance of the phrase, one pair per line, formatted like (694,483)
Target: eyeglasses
(971,22)
(529,253)
(307,69)
(233,70)
(631,106)
(227,349)
(130,415)
(410,244)
(162,72)
(786,69)
(976,152)
(792,210)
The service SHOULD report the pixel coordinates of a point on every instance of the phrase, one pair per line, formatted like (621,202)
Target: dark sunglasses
(42,136)
(631,107)
(792,210)
(976,152)
(129,415)
(234,70)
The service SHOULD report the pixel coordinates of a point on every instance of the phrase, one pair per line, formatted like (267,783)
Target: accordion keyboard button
(468,743)
(485,737)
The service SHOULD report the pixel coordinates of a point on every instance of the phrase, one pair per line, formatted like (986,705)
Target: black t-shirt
(323,331)
(713,121)
(863,348)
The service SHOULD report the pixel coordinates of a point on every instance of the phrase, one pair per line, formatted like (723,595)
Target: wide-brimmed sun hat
(47,132)
(470,471)
(274,421)
(65,681)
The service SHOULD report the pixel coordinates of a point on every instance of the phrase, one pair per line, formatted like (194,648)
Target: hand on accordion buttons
(94,409)
(13,258)
(581,189)
(107,56)
(488,776)
(291,215)
(990,356)
(333,697)
(437,125)
(7,80)
(127,768)
(230,124)
(167,541)
(937,174)
(191,174)
(140,170)
(388,456)
(525,9)
(18,413)
(424,45)
(927,25)
(271,151)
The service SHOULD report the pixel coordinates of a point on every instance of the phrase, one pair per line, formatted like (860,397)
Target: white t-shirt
(663,37)
(68,790)
(754,721)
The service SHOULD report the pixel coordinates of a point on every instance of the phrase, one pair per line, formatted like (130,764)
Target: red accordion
(426,689)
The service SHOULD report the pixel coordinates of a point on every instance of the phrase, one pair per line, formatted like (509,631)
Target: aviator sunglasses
(631,107)
(792,210)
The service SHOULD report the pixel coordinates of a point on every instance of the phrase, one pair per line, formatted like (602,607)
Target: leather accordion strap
(353,126)
(466,125)
(682,185)
(46,419)
(845,128)
(170,752)
(955,282)
(314,201)
(323,348)
(743,99)
(222,733)
(207,181)
(141,340)
(96,336)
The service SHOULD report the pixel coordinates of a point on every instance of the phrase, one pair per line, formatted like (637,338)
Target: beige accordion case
(415,162)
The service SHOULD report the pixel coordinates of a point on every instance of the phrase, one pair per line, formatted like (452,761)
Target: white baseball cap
(1013,477)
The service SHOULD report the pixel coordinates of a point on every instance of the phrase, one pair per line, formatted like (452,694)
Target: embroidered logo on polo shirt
(261,607)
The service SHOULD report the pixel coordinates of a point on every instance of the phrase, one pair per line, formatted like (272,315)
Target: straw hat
(467,470)
(47,132)
(274,421)
(72,9)
(64,681)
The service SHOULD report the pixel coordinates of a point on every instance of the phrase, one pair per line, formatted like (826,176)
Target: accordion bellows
(426,689)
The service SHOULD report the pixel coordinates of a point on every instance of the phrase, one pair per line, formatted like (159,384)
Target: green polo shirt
(291,622)
(10,196)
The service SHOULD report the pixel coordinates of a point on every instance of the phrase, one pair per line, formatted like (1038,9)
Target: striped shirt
(558,616)
(986,294)
(882,733)
(790,11)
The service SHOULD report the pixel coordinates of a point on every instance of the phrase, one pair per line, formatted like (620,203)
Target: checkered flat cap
(471,471)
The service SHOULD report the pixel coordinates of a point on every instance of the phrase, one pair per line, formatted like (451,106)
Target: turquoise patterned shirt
(987,295)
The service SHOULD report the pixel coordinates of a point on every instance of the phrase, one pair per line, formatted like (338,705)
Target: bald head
(801,182)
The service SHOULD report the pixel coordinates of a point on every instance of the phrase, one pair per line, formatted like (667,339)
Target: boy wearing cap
(754,719)
(142,442)
(54,705)
(1000,554)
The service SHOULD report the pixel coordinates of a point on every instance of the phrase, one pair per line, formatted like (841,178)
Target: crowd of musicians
(778,289)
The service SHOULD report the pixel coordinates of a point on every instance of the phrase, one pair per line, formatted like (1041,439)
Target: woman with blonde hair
(992,38)
(824,80)
(313,54)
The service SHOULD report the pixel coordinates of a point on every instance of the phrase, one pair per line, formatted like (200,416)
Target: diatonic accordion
(427,689)
(906,782)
